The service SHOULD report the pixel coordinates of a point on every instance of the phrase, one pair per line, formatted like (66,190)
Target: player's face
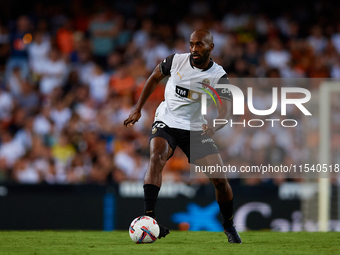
(199,49)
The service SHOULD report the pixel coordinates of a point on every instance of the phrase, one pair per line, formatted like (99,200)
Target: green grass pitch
(185,242)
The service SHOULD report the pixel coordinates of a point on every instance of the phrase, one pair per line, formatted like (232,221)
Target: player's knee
(219,183)
(158,158)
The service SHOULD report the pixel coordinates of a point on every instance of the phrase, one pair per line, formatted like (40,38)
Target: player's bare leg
(224,196)
(160,151)
(223,190)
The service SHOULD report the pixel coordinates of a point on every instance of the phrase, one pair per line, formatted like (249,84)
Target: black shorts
(193,143)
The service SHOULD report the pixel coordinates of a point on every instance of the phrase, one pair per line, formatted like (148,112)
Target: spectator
(114,61)
(4,45)
(251,54)
(154,52)
(65,38)
(63,152)
(234,20)
(122,83)
(39,156)
(132,165)
(54,173)
(336,39)
(29,98)
(15,82)
(85,66)
(53,73)
(141,37)
(6,106)
(24,172)
(42,122)
(24,135)
(99,85)
(10,149)
(276,56)
(60,115)
(335,71)
(19,40)
(181,46)
(87,111)
(102,30)
(77,172)
(38,52)
(317,40)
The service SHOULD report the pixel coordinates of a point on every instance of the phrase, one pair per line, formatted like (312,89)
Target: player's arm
(224,110)
(148,88)
(223,113)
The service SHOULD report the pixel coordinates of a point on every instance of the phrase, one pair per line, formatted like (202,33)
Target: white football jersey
(182,105)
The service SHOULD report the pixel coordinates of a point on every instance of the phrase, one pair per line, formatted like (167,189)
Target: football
(144,229)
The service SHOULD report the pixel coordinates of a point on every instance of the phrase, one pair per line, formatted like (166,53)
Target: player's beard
(202,59)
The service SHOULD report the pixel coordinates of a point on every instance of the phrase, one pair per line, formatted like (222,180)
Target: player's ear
(212,46)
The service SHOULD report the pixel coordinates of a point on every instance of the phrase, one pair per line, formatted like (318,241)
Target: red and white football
(144,229)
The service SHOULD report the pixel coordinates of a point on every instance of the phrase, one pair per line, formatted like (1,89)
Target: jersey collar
(205,69)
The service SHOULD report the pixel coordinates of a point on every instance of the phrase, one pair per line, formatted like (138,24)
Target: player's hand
(207,130)
(133,118)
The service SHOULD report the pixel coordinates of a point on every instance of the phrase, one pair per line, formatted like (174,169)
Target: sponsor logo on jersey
(187,93)
(225,91)
(183,92)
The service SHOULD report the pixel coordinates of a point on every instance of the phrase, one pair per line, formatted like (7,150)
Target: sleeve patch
(224,93)
(165,65)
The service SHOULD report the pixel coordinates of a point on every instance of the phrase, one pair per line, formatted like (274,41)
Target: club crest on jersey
(205,83)
(154,130)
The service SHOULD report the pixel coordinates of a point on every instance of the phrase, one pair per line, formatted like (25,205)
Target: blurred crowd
(71,72)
